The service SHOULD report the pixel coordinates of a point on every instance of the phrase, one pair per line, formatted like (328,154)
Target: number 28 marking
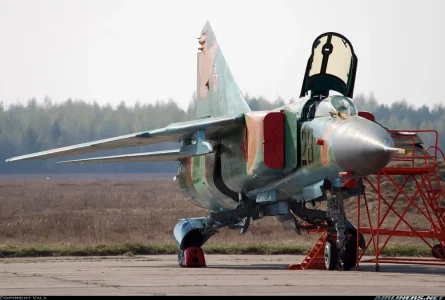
(307,140)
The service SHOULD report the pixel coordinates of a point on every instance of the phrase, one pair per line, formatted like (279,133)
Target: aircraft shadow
(251,267)
(415,269)
(406,269)
(364,267)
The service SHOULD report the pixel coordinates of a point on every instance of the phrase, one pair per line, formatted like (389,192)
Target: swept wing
(212,127)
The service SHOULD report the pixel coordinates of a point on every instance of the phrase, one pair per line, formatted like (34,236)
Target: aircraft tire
(181,258)
(350,254)
(440,250)
(330,255)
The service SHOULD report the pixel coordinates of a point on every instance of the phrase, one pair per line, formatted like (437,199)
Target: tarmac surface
(224,275)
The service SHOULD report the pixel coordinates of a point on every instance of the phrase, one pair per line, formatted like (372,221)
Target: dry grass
(110,211)
(115,216)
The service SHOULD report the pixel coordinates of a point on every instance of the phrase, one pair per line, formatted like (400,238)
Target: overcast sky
(109,51)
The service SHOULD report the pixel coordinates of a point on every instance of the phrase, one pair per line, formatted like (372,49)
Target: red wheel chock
(194,258)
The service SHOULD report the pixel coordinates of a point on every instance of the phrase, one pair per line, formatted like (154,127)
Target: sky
(110,51)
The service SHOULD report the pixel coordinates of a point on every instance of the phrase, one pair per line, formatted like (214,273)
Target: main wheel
(181,258)
(330,255)
(350,254)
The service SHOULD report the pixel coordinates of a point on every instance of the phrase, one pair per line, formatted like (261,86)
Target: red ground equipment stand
(417,187)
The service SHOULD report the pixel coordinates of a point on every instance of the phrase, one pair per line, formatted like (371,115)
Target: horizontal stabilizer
(405,138)
(408,140)
(167,155)
(209,128)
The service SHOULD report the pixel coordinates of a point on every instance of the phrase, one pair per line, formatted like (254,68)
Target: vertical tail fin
(218,93)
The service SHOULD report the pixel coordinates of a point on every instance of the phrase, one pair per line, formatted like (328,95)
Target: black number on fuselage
(303,140)
(310,148)
(308,151)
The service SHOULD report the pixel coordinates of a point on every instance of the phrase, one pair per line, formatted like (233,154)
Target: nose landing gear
(347,260)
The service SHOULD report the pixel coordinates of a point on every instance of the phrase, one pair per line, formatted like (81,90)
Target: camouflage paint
(198,186)
(218,93)
(290,140)
(241,176)
(318,162)
(255,133)
(315,163)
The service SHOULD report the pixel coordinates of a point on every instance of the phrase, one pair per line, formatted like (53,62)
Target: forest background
(44,125)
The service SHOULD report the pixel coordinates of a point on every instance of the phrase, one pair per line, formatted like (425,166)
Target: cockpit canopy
(331,67)
(334,104)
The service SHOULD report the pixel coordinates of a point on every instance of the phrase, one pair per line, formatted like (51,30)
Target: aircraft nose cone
(362,147)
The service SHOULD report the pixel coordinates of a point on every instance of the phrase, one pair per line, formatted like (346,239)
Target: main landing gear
(189,236)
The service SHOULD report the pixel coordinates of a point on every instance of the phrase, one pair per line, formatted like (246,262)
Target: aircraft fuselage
(321,148)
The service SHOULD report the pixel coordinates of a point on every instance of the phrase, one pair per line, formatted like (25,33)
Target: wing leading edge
(208,128)
(167,155)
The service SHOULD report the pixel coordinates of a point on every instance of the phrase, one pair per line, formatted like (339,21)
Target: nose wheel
(348,259)
(330,255)
(440,251)
(350,254)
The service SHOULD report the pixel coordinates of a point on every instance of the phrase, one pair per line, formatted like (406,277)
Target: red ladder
(315,258)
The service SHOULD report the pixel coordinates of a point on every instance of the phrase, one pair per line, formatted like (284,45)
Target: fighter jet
(245,165)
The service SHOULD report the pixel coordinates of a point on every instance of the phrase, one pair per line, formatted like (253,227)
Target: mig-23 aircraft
(244,165)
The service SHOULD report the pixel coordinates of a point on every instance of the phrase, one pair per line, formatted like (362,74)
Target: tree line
(41,126)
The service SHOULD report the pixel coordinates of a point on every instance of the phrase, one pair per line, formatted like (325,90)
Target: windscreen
(334,104)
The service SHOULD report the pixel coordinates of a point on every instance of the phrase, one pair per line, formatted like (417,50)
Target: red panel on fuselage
(367,115)
(273,125)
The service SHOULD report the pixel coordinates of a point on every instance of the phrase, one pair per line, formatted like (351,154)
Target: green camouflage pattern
(197,178)
(218,94)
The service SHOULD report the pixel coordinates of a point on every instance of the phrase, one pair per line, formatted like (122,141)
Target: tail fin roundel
(217,92)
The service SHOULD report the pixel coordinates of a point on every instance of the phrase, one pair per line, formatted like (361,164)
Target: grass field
(62,216)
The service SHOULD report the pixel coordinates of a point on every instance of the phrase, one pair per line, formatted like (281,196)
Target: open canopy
(331,67)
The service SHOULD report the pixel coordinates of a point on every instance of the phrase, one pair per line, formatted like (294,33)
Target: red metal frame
(427,187)
(428,190)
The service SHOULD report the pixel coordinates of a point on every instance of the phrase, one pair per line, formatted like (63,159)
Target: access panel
(273,126)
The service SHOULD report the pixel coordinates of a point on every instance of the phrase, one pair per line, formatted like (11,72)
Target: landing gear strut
(344,250)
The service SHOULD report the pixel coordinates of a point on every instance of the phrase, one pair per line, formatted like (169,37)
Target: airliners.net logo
(409,298)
